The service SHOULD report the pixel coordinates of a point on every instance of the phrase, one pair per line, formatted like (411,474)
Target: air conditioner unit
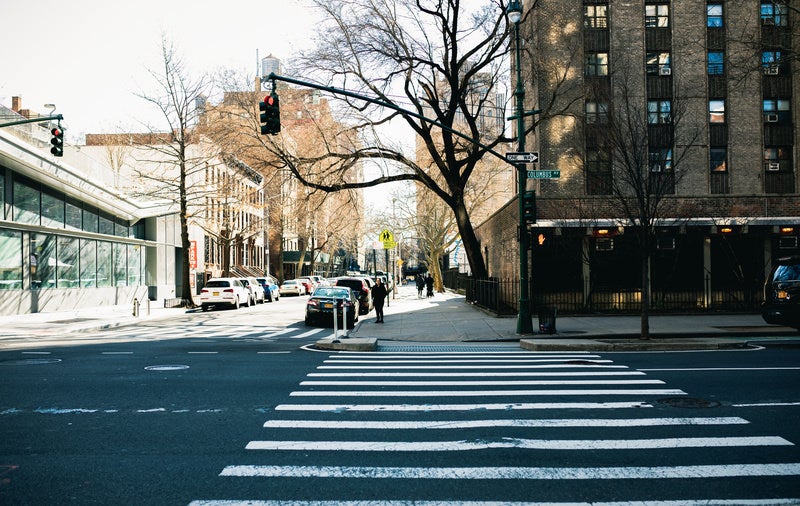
(604,244)
(665,71)
(665,243)
(770,21)
(773,166)
(789,242)
(772,118)
(772,70)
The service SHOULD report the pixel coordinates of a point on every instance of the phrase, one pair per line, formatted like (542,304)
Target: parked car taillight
(228,290)
(313,302)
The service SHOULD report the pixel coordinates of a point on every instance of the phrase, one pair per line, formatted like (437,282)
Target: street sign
(523,157)
(544,174)
(387,238)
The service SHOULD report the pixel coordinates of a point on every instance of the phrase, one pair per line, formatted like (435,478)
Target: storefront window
(88,263)
(103,264)
(90,220)
(44,262)
(10,260)
(120,264)
(67,263)
(134,265)
(106,225)
(52,210)
(73,219)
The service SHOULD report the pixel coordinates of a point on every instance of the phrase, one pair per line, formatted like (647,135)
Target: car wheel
(247,304)
(204,307)
(236,303)
(308,321)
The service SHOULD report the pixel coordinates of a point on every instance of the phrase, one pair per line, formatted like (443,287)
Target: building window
(596,112)
(656,16)
(660,160)
(718,160)
(26,203)
(68,263)
(598,172)
(88,263)
(774,14)
(658,63)
(771,62)
(104,266)
(716,63)
(44,261)
(597,64)
(11,260)
(716,111)
(777,158)
(659,111)
(714,15)
(595,16)
(777,111)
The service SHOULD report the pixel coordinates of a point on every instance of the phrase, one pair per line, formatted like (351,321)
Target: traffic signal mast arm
(33,120)
(336,91)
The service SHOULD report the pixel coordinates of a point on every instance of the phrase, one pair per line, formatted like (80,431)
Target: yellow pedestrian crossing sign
(387,238)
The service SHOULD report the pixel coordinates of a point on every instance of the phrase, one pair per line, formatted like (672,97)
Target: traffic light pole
(58,117)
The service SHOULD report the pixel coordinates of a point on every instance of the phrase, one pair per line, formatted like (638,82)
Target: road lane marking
(479,383)
(469,424)
(525,444)
(469,374)
(384,502)
(461,407)
(453,356)
(465,361)
(481,393)
(517,473)
(518,366)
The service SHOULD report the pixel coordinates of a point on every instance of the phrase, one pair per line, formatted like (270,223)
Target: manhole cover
(31,361)
(176,367)
(688,402)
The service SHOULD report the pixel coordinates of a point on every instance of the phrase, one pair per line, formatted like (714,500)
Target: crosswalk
(239,331)
(504,427)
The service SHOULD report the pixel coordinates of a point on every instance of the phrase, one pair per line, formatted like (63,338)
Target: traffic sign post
(523,157)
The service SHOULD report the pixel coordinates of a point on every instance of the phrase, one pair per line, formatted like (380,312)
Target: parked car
(224,292)
(782,293)
(254,287)
(362,289)
(326,299)
(272,292)
(309,283)
(292,287)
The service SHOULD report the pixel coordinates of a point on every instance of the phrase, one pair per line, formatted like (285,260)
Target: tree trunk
(186,289)
(470,242)
(645,316)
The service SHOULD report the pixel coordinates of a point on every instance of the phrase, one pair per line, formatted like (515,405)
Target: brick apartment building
(711,87)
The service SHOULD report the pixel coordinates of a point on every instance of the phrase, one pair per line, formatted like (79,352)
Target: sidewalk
(446,317)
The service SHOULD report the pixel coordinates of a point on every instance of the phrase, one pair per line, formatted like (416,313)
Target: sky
(91,57)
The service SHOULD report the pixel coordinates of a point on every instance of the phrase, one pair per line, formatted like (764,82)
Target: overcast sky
(90,57)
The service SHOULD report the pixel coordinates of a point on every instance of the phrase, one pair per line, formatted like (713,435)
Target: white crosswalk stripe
(612,397)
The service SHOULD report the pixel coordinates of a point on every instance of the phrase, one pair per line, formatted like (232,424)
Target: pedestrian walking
(378,296)
(429,285)
(420,285)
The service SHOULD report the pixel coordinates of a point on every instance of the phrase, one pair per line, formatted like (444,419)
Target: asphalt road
(227,406)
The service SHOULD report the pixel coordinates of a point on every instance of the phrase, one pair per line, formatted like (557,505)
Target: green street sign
(544,174)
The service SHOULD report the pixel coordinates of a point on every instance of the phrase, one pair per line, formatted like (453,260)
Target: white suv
(224,292)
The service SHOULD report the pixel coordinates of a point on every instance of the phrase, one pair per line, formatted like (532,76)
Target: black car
(321,304)
(362,289)
(782,293)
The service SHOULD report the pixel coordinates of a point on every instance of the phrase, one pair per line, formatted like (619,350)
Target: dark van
(782,293)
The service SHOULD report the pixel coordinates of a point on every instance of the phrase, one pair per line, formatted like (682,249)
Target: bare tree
(178,105)
(436,58)
(637,156)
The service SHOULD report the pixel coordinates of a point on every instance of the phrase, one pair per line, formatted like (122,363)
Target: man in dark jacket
(378,296)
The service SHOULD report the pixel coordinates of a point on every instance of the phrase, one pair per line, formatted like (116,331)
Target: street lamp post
(524,322)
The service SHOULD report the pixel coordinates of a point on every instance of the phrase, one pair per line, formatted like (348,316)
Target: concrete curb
(347,344)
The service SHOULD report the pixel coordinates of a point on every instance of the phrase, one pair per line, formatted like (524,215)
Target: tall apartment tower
(707,90)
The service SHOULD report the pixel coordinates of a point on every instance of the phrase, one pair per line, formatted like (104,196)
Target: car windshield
(290,282)
(217,283)
(330,292)
(355,284)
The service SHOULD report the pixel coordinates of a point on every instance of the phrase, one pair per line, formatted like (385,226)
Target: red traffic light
(56,132)
(269,100)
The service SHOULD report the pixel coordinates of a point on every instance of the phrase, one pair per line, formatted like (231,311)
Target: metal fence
(501,296)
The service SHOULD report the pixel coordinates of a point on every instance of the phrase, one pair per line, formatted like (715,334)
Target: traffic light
(57,141)
(270,114)
(529,206)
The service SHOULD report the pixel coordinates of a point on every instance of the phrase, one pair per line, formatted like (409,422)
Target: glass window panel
(67,265)
(10,260)
(2,194)
(716,110)
(106,225)
(714,15)
(716,62)
(719,158)
(44,261)
(52,210)
(26,203)
(90,218)
(120,264)
(73,219)
(88,263)
(103,263)
(134,265)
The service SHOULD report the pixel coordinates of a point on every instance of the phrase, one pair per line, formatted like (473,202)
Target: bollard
(136,307)
(344,318)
